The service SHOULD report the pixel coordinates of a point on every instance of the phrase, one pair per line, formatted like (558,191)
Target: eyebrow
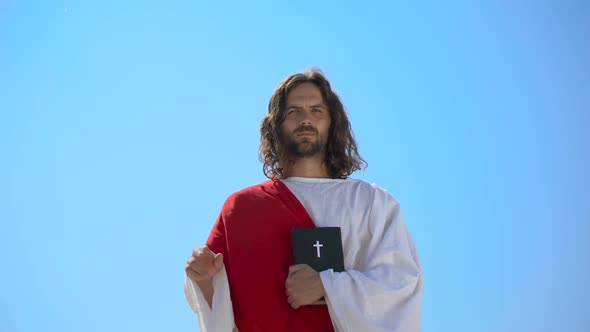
(312,106)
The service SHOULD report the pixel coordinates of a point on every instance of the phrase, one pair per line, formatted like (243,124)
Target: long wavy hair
(341,157)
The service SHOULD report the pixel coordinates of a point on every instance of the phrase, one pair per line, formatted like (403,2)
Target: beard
(307,147)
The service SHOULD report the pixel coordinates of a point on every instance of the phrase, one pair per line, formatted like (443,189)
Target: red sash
(253,232)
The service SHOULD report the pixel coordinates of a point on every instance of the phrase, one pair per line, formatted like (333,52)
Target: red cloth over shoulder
(253,232)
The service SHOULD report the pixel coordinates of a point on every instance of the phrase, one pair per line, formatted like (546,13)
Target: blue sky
(124,126)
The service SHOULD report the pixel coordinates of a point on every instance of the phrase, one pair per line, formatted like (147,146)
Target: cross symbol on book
(318,245)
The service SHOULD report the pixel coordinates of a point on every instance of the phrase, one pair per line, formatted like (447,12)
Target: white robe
(381,288)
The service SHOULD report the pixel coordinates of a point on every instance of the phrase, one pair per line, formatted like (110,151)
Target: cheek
(285,131)
(288,126)
(326,126)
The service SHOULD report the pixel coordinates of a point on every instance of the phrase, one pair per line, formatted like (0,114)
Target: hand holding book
(320,248)
(303,286)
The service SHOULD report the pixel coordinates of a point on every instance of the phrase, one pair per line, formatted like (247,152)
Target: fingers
(203,264)
(293,303)
(303,286)
(193,275)
(291,291)
(218,262)
(203,251)
(293,300)
(194,271)
(295,268)
(198,274)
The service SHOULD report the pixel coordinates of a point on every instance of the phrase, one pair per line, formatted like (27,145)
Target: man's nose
(305,118)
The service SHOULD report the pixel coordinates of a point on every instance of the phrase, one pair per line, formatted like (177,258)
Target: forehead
(305,92)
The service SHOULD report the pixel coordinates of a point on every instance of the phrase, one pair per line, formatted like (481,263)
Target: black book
(318,247)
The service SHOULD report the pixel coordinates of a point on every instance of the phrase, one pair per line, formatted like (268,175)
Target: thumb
(296,268)
(218,263)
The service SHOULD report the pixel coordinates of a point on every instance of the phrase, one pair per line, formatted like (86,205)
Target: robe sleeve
(220,318)
(383,290)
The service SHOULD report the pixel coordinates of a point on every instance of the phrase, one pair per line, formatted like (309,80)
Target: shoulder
(370,189)
(250,194)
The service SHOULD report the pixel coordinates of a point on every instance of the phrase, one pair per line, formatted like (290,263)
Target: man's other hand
(203,264)
(303,286)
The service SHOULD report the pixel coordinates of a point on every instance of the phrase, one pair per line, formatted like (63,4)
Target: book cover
(318,247)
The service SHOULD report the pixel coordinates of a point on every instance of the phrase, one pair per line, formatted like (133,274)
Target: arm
(382,288)
(207,289)
(215,315)
(201,267)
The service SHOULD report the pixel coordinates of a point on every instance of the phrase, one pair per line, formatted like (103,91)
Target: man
(244,278)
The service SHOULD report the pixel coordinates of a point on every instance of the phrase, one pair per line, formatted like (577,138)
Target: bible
(318,247)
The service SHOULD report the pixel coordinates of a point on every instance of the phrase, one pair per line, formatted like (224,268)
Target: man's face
(307,122)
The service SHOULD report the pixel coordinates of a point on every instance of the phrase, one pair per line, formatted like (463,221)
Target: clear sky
(124,125)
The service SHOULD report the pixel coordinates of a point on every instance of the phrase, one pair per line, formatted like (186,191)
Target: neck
(308,168)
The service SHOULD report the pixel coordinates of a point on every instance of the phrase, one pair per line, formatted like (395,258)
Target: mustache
(305,128)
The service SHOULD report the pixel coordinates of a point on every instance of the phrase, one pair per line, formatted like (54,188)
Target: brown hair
(342,157)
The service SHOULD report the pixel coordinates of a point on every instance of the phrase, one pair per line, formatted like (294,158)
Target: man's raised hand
(203,264)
